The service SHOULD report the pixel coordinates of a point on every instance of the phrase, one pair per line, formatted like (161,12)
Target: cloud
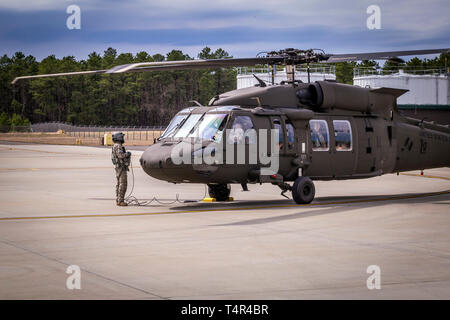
(241,27)
(163,14)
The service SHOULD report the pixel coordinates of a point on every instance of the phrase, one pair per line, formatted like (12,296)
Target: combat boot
(122,204)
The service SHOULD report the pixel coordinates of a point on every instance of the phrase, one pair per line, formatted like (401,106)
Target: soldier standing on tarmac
(121,160)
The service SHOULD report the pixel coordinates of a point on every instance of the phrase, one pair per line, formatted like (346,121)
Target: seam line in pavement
(82,269)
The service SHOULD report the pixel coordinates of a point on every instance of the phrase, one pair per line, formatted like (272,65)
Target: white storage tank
(426,86)
(246,79)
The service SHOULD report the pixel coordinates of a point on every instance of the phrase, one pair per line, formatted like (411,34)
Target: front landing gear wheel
(303,190)
(221,192)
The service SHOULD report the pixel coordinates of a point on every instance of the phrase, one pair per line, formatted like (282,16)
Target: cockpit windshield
(187,126)
(210,127)
(204,126)
(173,125)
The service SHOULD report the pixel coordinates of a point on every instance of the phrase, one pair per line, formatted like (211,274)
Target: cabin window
(342,135)
(290,134)
(242,131)
(320,136)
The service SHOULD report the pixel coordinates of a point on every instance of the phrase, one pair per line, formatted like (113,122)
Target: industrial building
(429,90)
(426,86)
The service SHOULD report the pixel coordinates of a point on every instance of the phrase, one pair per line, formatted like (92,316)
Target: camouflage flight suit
(121,160)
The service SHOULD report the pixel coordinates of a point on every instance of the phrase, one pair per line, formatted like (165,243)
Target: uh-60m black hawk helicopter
(326,130)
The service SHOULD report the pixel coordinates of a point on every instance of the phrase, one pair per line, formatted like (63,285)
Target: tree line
(148,98)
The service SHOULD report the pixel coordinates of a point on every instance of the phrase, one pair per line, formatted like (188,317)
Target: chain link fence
(131,132)
(13,128)
(378,71)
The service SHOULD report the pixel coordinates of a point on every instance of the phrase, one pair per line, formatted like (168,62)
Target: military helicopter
(324,130)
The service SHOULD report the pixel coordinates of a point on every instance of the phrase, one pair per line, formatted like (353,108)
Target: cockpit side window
(320,135)
(242,131)
(277,126)
(290,134)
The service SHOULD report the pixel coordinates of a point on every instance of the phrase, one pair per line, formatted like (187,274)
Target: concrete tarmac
(58,209)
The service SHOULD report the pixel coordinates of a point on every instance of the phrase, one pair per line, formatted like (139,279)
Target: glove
(128,154)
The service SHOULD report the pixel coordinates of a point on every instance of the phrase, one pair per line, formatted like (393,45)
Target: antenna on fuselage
(196,102)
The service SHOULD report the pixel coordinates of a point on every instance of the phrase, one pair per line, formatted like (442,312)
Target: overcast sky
(241,27)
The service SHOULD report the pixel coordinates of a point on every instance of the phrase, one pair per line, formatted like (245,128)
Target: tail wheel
(221,192)
(303,190)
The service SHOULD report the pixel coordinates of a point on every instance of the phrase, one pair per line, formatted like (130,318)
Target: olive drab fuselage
(327,131)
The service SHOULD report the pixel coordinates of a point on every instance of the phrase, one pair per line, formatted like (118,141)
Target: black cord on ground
(133,201)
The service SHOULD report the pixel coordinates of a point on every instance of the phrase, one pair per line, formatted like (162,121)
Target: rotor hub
(293,56)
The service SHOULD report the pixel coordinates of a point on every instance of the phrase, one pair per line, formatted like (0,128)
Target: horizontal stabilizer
(392,91)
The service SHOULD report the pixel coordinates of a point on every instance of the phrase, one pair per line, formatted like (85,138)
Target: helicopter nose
(157,161)
(152,162)
(149,160)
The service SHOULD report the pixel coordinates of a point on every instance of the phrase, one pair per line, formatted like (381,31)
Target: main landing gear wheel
(303,190)
(221,192)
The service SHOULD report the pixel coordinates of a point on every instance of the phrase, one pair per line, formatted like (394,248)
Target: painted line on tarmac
(421,195)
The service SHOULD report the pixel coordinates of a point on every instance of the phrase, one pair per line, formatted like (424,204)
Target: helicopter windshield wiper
(174,129)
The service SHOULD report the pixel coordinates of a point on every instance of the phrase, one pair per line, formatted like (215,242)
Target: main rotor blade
(168,65)
(194,64)
(58,75)
(292,57)
(378,55)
